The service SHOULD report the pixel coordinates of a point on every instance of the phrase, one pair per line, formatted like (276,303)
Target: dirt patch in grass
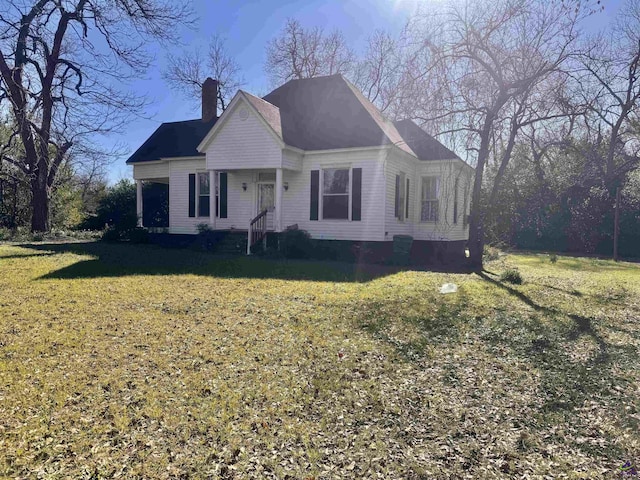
(139,362)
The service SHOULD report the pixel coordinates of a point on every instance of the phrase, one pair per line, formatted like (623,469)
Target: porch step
(232,244)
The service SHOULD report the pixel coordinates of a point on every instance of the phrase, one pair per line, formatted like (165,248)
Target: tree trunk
(476,230)
(39,203)
(616,226)
(476,216)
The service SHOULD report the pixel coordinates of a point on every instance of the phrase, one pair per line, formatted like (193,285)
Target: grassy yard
(139,362)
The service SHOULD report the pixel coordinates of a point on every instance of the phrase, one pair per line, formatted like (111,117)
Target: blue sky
(247,27)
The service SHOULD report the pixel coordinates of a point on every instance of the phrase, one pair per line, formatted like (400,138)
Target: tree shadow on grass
(573,376)
(116,260)
(583,325)
(572,292)
(27,255)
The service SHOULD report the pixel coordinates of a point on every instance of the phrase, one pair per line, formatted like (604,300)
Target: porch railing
(257,231)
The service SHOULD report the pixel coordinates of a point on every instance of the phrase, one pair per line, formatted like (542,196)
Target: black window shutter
(356,197)
(223,194)
(397,203)
(455,202)
(315,192)
(192,194)
(406,210)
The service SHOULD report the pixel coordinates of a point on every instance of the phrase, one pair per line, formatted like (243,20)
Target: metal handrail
(257,230)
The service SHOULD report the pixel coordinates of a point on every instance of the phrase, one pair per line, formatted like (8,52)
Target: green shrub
(296,244)
(116,209)
(5,234)
(553,258)
(138,235)
(511,275)
(111,234)
(204,228)
(490,253)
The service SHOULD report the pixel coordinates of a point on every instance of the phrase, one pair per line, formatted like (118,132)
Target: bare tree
(304,53)
(608,81)
(62,67)
(480,59)
(187,72)
(381,74)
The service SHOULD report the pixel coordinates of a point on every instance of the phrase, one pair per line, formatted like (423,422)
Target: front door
(266,200)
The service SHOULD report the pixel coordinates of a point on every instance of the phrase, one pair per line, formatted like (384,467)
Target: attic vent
(243,113)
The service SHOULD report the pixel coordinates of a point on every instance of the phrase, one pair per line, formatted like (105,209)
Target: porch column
(278,201)
(212,199)
(139,202)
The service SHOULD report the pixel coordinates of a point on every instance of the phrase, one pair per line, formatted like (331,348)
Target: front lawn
(139,362)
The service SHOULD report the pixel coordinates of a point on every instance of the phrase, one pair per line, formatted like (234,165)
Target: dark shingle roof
(321,113)
(324,113)
(424,145)
(175,139)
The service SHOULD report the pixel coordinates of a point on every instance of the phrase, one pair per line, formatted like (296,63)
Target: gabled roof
(174,139)
(270,113)
(325,113)
(424,145)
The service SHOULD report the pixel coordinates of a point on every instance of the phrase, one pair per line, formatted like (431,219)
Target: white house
(313,153)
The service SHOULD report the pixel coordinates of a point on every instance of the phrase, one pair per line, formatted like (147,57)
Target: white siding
(243,144)
(179,220)
(379,168)
(241,205)
(142,171)
(297,204)
(291,160)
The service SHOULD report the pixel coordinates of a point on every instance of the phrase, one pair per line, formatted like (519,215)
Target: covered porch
(250,200)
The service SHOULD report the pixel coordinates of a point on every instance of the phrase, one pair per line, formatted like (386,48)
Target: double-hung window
(204,190)
(335,193)
(430,199)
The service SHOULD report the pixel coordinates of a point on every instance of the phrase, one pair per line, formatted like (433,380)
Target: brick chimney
(209,99)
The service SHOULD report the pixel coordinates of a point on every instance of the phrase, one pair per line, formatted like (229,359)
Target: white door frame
(257,202)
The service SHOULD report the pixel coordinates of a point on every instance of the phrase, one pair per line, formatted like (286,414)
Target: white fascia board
(171,159)
(147,162)
(347,150)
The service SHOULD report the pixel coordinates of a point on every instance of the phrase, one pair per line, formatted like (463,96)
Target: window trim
(321,193)
(434,199)
(199,196)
